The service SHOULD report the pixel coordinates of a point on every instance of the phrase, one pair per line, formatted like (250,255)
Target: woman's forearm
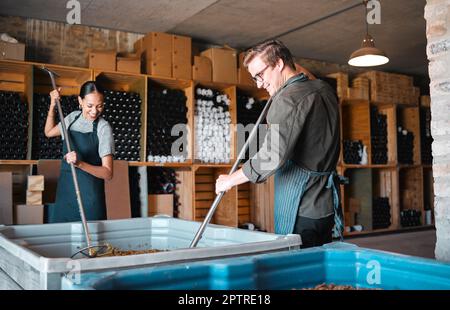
(100,172)
(50,122)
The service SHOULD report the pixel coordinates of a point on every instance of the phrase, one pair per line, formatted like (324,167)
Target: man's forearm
(239,177)
(225,182)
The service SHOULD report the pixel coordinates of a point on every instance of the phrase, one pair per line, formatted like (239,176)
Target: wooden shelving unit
(230,91)
(355,119)
(411,189)
(69,79)
(18,77)
(188,87)
(405,185)
(128,82)
(409,119)
(204,194)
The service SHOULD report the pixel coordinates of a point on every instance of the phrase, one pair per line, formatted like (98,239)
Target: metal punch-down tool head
(50,72)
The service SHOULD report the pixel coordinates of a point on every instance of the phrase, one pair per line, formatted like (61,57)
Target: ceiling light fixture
(368,55)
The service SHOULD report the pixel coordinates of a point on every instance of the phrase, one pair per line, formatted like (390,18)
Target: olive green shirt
(304,126)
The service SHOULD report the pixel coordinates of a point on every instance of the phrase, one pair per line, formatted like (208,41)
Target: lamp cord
(365,2)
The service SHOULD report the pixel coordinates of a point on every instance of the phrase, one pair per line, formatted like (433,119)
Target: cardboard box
(244,77)
(202,69)
(181,57)
(160,204)
(25,214)
(50,169)
(102,60)
(6,198)
(138,46)
(156,50)
(117,192)
(35,183)
(130,64)
(12,51)
(224,64)
(34,198)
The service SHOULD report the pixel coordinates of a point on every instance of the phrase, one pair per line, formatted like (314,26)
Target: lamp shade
(368,55)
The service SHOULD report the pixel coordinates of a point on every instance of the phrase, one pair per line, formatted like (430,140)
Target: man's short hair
(270,52)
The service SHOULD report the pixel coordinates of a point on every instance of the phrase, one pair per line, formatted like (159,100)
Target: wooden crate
(392,88)
(188,88)
(34,198)
(262,199)
(230,91)
(385,184)
(128,83)
(359,192)
(360,89)
(204,195)
(391,118)
(411,189)
(355,116)
(16,77)
(409,118)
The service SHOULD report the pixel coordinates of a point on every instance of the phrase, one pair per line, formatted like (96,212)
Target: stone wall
(64,44)
(437,15)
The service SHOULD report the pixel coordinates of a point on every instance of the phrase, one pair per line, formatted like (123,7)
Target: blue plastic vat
(337,263)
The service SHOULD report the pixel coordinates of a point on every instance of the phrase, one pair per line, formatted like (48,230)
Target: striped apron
(290,184)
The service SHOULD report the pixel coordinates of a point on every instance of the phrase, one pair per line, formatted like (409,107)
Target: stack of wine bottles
(379,137)
(123,112)
(212,126)
(353,151)
(425,135)
(43,147)
(248,111)
(161,180)
(405,146)
(381,213)
(409,218)
(13,126)
(166,111)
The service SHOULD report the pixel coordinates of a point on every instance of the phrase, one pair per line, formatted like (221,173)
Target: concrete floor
(417,243)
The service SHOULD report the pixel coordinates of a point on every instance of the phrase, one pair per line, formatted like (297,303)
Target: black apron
(290,184)
(92,189)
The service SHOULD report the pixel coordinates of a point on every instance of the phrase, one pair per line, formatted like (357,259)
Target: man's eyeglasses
(258,77)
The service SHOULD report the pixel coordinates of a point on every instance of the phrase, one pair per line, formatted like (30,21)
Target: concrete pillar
(437,15)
